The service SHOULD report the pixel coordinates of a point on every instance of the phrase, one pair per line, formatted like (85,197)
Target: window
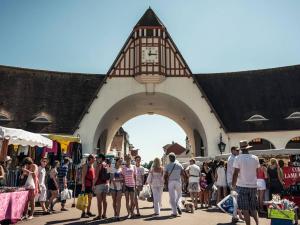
(4,118)
(41,119)
(293,116)
(256,118)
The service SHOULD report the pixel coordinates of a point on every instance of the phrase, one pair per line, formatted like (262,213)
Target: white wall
(183,103)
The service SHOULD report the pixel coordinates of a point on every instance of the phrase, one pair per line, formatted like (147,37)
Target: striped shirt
(62,172)
(129,174)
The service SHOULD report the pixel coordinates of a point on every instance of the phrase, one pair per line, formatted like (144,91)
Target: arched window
(41,120)
(261,144)
(256,118)
(293,116)
(294,143)
(4,118)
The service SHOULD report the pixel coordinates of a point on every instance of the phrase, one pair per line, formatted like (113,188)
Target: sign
(295,160)
(291,175)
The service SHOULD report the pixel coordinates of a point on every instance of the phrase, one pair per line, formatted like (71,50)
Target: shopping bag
(145,193)
(227,204)
(64,194)
(82,202)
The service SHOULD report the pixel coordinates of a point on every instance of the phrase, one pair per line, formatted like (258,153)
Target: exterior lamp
(221,145)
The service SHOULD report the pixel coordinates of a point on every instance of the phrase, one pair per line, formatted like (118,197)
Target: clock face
(150,55)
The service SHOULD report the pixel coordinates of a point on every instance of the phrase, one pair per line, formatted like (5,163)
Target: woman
(88,176)
(116,184)
(156,182)
(129,173)
(209,179)
(275,178)
(193,173)
(2,174)
(221,181)
(261,183)
(53,185)
(31,184)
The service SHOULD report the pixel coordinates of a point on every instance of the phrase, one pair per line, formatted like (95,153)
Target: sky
(85,36)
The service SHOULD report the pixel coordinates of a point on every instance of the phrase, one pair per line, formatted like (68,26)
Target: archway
(294,143)
(161,104)
(261,144)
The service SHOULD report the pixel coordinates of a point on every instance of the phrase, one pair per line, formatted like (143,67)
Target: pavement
(72,217)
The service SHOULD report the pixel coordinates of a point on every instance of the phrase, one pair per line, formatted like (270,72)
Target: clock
(150,54)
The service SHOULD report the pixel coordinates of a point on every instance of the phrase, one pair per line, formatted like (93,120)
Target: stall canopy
(24,138)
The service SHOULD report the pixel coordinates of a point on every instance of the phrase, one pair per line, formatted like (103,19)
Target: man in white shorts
(42,197)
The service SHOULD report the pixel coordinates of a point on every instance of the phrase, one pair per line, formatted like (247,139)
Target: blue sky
(213,36)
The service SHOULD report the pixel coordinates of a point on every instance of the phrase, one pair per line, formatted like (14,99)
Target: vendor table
(12,205)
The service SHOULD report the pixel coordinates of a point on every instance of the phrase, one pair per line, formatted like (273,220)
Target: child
(203,192)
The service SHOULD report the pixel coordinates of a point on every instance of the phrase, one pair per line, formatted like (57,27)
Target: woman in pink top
(129,173)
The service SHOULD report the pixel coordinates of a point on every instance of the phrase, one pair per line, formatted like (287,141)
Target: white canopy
(24,138)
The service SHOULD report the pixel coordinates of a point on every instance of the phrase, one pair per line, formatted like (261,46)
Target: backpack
(104,174)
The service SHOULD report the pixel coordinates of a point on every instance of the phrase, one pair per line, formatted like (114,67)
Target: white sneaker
(30,218)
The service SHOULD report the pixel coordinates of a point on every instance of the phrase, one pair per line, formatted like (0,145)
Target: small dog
(188,206)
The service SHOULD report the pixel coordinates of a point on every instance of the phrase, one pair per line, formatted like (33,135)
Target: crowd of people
(243,173)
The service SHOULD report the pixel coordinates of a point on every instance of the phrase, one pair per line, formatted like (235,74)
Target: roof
(271,93)
(149,19)
(25,93)
(176,148)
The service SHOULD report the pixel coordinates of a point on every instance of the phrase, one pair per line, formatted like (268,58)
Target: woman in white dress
(156,181)
(221,182)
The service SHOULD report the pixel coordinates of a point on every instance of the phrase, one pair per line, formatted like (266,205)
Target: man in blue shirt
(62,179)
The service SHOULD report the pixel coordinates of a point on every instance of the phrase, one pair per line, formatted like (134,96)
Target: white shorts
(261,184)
(42,197)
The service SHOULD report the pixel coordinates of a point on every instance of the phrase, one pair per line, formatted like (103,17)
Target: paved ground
(72,217)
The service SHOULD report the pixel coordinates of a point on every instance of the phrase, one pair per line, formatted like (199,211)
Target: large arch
(176,98)
(142,103)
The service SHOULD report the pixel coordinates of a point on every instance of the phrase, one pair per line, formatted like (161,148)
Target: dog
(188,206)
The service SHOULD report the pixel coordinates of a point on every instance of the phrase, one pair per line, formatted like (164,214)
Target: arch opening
(294,143)
(160,104)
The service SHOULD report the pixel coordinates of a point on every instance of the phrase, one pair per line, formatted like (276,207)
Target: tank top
(90,176)
(260,173)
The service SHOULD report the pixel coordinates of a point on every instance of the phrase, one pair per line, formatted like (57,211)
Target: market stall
(12,199)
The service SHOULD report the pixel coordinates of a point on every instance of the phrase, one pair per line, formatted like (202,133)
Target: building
(148,76)
(182,154)
(120,145)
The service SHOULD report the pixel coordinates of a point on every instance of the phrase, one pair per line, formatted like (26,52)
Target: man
(174,172)
(88,176)
(43,190)
(234,152)
(62,179)
(193,172)
(101,186)
(140,172)
(245,182)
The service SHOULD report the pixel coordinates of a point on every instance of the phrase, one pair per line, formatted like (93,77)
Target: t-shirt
(194,172)
(221,180)
(140,172)
(62,172)
(42,175)
(229,171)
(248,164)
(129,174)
(116,175)
(176,173)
